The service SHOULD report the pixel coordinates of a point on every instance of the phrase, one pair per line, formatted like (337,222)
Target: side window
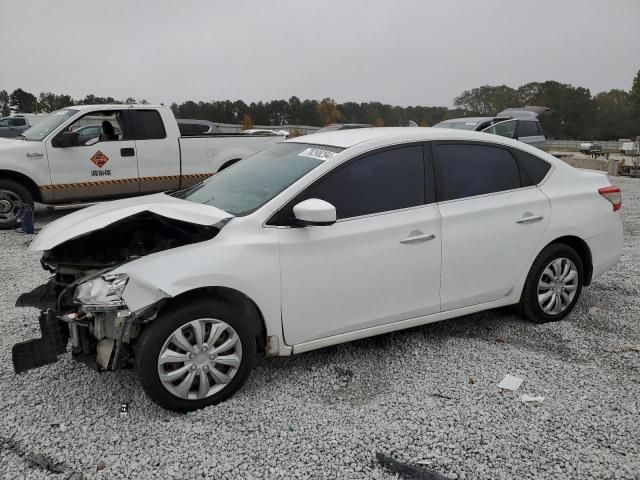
(527,128)
(147,125)
(535,168)
(18,122)
(106,126)
(466,170)
(380,182)
(504,129)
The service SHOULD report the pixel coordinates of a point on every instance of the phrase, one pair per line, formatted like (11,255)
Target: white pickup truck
(94,152)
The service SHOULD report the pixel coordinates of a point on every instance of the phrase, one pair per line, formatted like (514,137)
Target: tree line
(575,112)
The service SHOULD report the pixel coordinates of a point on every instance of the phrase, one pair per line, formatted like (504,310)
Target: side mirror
(66,139)
(314,212)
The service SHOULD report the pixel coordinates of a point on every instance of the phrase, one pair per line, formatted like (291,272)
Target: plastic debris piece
(529,399)
(509,382)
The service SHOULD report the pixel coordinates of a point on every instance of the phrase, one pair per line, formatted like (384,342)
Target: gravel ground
(425,396)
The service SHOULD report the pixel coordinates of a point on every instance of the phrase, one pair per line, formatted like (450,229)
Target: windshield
(457,125)
(252,182)
(48,125)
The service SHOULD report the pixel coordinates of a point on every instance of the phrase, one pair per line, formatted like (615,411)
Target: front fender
(250,267)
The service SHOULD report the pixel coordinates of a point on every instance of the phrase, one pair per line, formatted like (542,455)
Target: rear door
(95,168)
(530,132)
(492,221)
(158,155)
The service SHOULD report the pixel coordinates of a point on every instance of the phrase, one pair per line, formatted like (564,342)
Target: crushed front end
(82,301)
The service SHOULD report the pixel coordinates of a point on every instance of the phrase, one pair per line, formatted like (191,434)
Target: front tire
(195,354)
(553,285)
(12,195)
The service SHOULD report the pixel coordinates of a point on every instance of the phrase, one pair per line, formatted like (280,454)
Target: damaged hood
(99,216)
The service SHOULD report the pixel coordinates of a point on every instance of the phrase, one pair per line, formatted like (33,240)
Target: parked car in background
(11,127)
(470,123)
(342,126)
(590,148)
(318,240)
(518,123)
(192,127)
(91,132)
(265,131)
(140,150)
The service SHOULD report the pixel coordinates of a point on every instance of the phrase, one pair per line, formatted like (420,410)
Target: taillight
(613,195)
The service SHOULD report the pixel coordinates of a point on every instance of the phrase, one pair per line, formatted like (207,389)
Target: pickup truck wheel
(12,195)
(195,354)
(553,284)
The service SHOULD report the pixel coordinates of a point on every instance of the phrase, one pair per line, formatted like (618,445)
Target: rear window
(527,128)
(147,125)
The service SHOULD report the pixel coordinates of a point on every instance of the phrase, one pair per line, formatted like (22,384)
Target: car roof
(349,138)
(114,106)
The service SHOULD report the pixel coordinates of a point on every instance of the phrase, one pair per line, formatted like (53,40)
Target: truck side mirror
(66,139)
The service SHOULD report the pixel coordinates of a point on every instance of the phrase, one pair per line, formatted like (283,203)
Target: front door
(103,166)
(378,264)
(491,224)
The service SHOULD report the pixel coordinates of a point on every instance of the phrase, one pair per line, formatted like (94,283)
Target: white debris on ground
(426,397)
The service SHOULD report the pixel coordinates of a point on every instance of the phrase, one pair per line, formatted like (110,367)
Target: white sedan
(316,241)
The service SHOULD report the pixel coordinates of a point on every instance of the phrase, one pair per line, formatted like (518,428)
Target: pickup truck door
(158,155)
(101,167)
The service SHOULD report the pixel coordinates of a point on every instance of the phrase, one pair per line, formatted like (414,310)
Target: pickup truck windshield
(47,125)
(252,182)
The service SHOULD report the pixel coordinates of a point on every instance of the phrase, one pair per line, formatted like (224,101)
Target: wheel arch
(23,180)
(242,302)
(582,249)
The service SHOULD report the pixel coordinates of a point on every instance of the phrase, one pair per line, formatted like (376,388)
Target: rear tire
(202,374)
(553,285)
(12,194)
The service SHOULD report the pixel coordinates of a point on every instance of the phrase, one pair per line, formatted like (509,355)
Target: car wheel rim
(9,206)
(199,359)
(557,286)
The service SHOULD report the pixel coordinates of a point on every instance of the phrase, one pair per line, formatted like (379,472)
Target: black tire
(529,306)
(13,192)
(154,335)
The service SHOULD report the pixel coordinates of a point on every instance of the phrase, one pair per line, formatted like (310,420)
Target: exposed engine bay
(101,330)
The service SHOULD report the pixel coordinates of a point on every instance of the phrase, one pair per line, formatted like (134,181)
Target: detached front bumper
(45,350)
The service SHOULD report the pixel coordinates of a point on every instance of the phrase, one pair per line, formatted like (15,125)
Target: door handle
(127,152)
(421,237)
(530,219)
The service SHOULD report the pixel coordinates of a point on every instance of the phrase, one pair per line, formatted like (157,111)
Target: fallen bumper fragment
(45,350)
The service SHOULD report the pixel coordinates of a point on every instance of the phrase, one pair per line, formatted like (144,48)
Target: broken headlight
(102,293)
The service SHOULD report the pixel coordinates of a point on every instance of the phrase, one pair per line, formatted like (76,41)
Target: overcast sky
(422,52)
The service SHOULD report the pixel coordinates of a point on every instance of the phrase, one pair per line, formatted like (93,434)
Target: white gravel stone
(325,414)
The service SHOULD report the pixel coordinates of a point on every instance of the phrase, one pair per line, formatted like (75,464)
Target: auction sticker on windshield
(317,153)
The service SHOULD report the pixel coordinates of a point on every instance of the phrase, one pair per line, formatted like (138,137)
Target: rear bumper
(606,248)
